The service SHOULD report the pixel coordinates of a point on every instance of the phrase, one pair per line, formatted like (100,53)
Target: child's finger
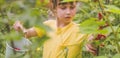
(17,25)
(91,49)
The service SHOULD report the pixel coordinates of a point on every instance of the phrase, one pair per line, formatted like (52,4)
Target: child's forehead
(64,3)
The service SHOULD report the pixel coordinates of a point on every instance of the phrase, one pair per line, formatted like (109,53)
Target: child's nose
(68,11)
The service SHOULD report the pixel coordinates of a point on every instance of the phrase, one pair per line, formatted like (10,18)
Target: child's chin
(68,21)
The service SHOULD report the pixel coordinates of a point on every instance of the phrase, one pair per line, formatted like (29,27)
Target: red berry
(100,16)
(100,36)
(16,49)
(106,25)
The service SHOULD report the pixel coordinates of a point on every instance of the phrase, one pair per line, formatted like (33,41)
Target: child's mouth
(67,17)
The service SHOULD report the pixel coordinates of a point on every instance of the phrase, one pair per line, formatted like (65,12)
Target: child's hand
(91,49)
(27,32)
(18,26)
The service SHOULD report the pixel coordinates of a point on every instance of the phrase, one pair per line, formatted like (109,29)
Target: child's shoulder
(50,23)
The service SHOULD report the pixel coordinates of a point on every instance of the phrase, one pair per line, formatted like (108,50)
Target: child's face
(66,11)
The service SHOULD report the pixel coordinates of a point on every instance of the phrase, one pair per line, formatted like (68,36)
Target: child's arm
(27,32)
(90,47)
(31,32)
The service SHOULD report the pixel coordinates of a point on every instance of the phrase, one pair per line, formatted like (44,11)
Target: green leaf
(119,43)
(67,0)
(35,12)
(74,0)
(41,3)
(100,57)
(2,2)
(104,31)
(112,9)
(110,47)
(91,26)
(116,56)
(84,0)
(13,35)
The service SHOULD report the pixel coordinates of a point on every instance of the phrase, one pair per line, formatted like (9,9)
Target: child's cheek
(60,13)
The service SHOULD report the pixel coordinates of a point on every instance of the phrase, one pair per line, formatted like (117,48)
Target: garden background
(99,17)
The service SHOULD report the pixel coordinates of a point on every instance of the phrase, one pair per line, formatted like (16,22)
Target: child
(65,37)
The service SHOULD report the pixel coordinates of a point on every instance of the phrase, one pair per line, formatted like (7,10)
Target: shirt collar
(59,30)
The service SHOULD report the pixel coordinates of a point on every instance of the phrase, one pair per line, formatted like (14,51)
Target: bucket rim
(15,49)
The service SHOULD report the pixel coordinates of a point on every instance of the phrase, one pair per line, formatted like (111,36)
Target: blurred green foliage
(34,12)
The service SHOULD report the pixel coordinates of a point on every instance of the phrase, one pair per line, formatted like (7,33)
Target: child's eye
(63,7)
(72,7)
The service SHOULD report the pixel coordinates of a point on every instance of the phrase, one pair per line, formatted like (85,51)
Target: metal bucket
(20,47)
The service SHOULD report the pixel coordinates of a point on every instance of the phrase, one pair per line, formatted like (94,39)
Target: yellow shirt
(64,42)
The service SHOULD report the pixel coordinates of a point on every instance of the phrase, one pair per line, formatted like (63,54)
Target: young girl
(65,37)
